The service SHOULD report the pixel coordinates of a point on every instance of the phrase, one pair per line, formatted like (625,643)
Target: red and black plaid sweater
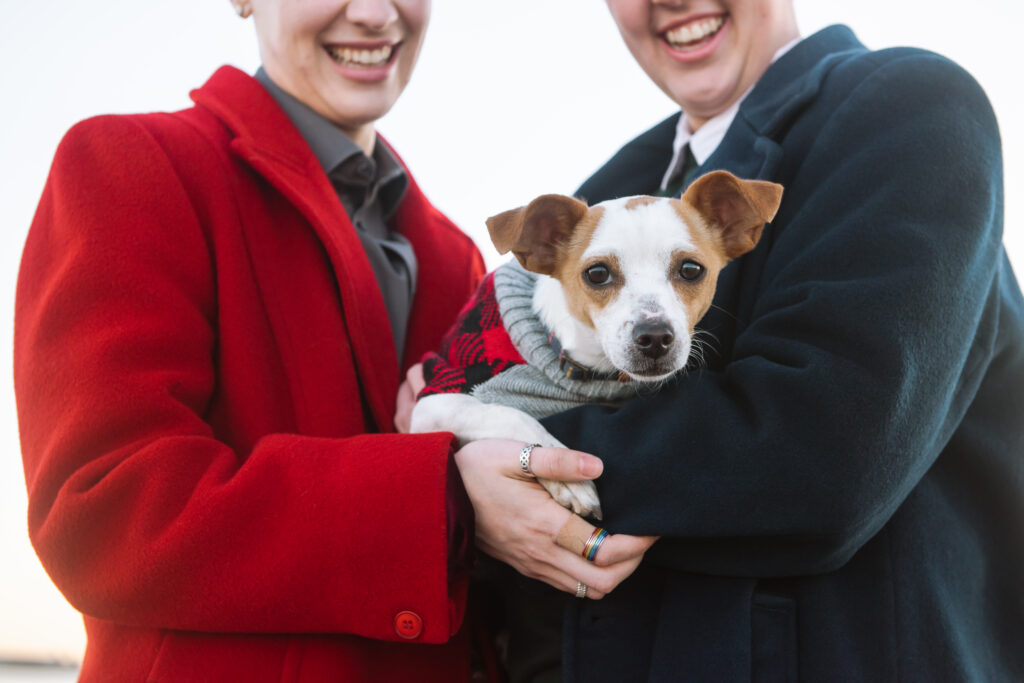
(475,349)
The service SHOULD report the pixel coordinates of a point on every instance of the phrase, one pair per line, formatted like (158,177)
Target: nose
(373,14)
(653,338)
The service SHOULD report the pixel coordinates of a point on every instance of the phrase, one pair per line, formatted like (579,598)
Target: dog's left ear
(534,233)
(737,208)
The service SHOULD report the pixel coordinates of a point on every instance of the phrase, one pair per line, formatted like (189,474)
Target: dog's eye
(691,271)
(598,275)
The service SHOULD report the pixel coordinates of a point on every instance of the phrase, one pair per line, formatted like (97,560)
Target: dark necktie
(682,173)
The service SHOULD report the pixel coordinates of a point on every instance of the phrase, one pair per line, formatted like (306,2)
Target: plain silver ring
(524,458)
(581,590)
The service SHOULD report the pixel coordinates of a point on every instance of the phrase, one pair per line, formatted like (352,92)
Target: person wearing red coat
(206,380)
(203,366)
(203,359)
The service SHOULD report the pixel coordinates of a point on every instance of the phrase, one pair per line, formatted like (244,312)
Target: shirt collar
(705,140)
(339,156)
(329,144)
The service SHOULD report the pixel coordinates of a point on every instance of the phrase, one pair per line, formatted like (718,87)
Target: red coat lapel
(268,142)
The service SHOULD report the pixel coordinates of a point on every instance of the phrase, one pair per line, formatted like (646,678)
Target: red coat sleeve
(138,512)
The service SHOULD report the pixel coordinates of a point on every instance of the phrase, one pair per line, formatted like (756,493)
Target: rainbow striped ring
(593,543)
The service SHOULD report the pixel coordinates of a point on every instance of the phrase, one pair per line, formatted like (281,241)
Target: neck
(578,339)
(786,32)
(364,136)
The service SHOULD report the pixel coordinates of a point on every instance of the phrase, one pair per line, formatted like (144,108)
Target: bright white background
(510,100)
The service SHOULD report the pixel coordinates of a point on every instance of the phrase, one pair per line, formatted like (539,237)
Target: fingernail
(591,466)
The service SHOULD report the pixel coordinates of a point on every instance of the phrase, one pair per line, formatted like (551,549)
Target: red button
(408,624)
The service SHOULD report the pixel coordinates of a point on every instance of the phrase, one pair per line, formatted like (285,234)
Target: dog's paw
(578,496)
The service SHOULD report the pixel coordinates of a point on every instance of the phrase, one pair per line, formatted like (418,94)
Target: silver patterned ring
(524,458)
(581,590)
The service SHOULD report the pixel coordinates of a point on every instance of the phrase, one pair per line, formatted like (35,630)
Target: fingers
(618,548)
(614,548)
(562,565)
(574,534)
(404,403)
(541,570)
(569,568)
(562,464)
(561,569)
(414,376)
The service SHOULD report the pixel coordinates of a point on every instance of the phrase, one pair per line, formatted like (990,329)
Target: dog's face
(640,272)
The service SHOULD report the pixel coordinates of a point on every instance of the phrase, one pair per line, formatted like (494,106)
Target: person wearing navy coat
(839,486)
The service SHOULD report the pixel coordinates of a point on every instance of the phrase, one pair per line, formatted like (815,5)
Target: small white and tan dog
(621,287)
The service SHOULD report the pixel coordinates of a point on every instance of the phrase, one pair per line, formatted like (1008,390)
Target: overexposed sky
(510,100)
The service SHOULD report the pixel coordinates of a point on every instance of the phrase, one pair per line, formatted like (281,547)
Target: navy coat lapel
(751,149)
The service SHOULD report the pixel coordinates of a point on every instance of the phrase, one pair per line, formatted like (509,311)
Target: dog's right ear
(533,233)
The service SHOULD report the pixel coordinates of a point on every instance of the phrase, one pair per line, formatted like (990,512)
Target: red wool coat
(206,378)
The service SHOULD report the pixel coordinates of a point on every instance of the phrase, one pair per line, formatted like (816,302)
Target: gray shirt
(370,190)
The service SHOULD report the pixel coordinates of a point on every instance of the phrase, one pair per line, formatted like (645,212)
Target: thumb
(563,464)
(414,376)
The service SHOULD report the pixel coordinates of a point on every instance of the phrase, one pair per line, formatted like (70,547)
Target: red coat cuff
(460,521)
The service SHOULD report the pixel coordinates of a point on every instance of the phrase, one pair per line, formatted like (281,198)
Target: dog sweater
(500,352)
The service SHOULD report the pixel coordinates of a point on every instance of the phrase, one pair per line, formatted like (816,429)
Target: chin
(651,376)
(645,370)
(703,95)
(350,118)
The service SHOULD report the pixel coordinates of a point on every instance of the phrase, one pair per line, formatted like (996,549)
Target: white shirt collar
(705,140)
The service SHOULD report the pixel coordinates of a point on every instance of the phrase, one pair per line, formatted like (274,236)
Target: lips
(694,33)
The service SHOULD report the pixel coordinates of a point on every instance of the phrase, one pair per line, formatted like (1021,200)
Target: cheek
(612,323)
(286,39)
(632,18)
(695,310)
(697,303)
(415,14)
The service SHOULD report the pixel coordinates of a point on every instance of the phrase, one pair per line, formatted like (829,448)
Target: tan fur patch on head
(570,268)
(642,200)
(697,297)
(707,241)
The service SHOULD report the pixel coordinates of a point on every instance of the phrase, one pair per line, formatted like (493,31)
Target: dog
(600,303)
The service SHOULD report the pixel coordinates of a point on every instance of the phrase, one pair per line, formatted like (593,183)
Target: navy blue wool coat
(840,490)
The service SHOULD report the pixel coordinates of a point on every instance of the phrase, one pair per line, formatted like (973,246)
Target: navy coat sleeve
(872,325)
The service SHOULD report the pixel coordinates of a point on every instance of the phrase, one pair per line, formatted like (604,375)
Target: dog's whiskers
(728,313)
(702,342)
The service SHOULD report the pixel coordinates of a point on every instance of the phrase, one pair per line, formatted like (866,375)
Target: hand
(518,523)
(407,393)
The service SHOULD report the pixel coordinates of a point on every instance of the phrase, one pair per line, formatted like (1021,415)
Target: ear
(535,232)
(738,209)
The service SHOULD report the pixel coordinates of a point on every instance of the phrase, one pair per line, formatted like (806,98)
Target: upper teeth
(694,31)
(347,55)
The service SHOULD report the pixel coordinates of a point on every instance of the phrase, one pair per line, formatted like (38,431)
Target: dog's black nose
(653,338)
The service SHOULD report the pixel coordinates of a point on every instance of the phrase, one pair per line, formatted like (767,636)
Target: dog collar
(578,371)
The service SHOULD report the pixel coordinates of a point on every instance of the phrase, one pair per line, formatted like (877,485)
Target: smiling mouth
(695,33)
(367,59)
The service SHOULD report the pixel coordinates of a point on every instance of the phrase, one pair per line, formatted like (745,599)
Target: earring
(243,9)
